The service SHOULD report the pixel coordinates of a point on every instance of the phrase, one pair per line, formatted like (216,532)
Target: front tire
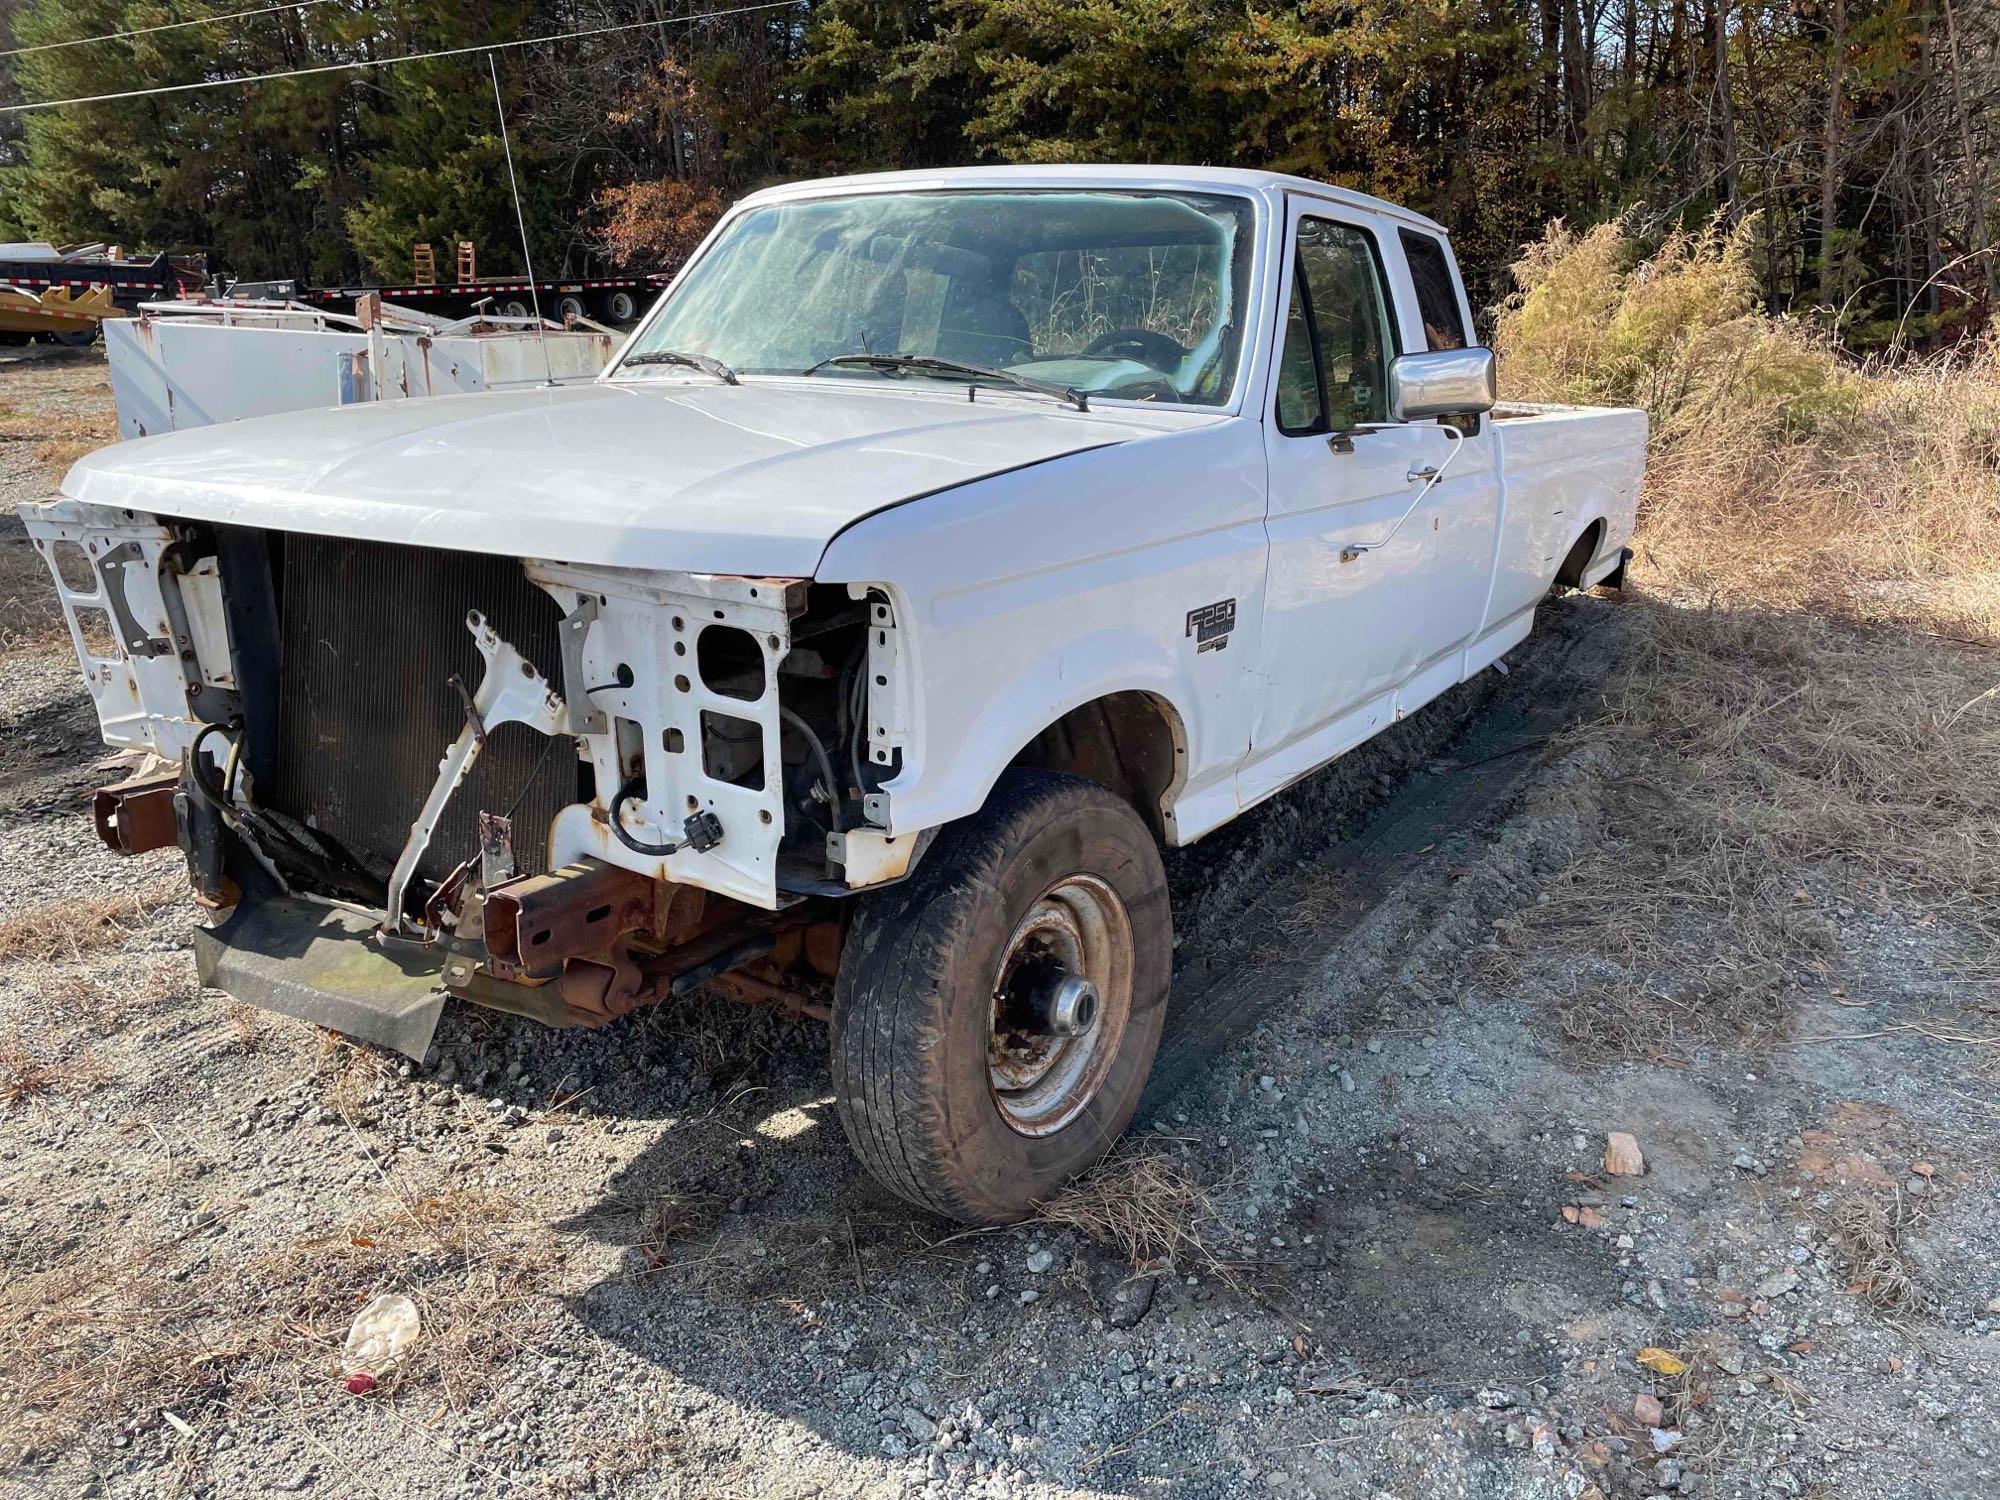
(962,1076)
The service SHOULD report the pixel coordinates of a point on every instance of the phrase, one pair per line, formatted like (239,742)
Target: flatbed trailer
(618,299)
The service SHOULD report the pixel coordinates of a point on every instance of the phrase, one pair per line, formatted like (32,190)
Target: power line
(119,36)
(387,62)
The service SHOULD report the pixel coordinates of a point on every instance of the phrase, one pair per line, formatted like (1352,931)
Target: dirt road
(1414,996)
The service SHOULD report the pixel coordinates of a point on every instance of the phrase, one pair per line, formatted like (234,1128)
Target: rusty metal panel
(535,922)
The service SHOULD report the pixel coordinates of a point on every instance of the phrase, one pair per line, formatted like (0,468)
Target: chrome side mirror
(1441,383)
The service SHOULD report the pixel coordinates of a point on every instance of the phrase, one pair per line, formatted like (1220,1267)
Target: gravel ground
(647,1263)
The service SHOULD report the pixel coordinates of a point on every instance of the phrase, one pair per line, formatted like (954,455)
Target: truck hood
(660,473)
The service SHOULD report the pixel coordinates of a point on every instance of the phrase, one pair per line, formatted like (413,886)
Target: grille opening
(94,625)
(74,568)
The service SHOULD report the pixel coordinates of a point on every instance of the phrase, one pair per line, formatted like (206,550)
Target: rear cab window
(1437,290)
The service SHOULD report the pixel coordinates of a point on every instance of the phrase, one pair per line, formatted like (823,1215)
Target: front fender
(1028,594)
(1012,713)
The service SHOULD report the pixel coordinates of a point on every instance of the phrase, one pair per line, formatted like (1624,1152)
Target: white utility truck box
(182,365)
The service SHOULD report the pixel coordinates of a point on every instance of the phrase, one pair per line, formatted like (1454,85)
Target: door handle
(1430,475)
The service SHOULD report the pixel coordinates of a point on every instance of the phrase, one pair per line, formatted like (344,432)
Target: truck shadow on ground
(746,1232)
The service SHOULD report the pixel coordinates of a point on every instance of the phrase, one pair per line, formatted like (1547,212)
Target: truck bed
(1565,471)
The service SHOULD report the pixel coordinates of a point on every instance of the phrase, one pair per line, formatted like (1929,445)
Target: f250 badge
(1210,625)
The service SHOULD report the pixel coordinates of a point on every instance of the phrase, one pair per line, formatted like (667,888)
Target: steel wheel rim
(1040,1084)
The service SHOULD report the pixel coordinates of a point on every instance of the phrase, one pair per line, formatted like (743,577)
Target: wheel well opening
(1129,742)
(1570,574)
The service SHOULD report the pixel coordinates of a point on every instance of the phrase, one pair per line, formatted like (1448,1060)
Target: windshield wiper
(930,364)
(707,364)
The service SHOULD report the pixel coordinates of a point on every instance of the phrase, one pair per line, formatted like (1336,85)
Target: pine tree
(434,169)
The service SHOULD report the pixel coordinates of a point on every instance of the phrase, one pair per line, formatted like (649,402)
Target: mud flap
(323,965)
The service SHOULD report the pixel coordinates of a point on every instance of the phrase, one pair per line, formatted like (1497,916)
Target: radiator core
(370,632)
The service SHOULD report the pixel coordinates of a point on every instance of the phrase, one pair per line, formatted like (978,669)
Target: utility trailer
(608,299)
(61,314)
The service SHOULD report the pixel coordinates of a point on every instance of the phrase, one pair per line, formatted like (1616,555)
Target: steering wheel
(1142,344)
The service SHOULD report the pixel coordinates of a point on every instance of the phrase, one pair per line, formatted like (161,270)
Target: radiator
(369,635)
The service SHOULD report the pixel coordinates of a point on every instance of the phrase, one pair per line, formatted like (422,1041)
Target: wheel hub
(1060,1003)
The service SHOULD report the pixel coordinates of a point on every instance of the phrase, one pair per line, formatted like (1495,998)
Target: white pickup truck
(940,545)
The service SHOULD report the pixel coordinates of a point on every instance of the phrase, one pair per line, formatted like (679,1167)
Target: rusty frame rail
(136,815)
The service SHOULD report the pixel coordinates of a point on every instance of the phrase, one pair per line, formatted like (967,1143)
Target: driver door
(1341,632)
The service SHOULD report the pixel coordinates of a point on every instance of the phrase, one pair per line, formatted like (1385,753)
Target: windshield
(1136,296)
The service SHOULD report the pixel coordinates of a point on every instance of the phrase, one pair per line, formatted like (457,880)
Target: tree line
(1850,143)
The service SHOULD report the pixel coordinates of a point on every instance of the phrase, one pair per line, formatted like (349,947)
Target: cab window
(1333,368)
(1299,406)
(1437,297)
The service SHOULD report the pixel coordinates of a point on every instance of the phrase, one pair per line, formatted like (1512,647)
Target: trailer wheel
(570,308)
(621,307)
(516,309)
(997,1013)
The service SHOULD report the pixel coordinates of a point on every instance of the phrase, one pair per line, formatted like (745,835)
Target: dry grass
(1789,730)
(26,1073)
(103,1002)
(112,1336)
(615,1468)
(251,1030)
(82,925)
(59,438)
(1711,1429)
(1142,1204)
(31,617)
(347,1072)
(57,454)
(1767,769)
(1867,1232)
(670,1218)
(1782,474)
(1890,515)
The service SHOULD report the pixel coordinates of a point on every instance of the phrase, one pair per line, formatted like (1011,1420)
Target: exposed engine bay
(563,791)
